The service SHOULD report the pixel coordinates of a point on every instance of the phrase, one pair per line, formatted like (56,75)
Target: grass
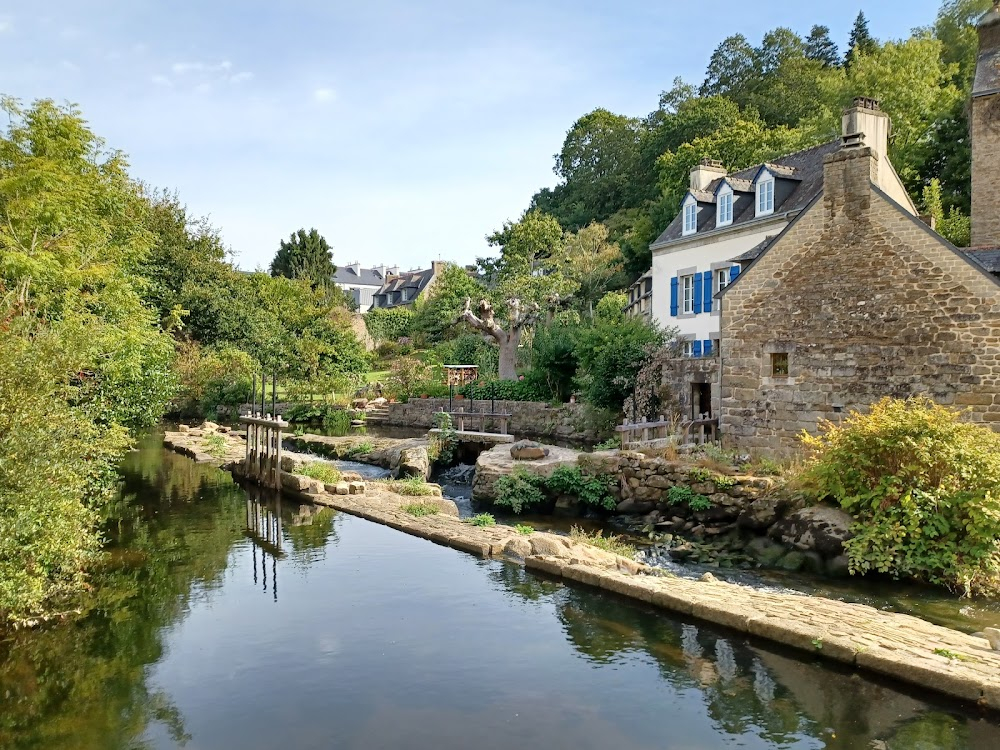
(421,509)
(373,377)
(610,543)
(522,528)
(325,473)
(953,655)
(215,445)
(411,487)
(483,519)
(360,449)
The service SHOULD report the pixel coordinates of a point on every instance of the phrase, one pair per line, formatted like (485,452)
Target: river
(214,626)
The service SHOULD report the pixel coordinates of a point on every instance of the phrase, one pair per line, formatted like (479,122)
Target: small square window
(779,364)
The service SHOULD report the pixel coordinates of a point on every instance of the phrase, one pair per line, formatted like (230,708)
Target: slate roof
(987,257)
(754,252)
(413,281)
(364,277)
(802,172)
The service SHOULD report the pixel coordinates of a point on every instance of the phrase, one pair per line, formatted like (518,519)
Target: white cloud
(240,77)
(181,68)
(203,88)
(70,32)
(324,94)
(161,80)
(69,66)
(6,24)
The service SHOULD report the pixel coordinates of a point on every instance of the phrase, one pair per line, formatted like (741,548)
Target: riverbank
(890,644)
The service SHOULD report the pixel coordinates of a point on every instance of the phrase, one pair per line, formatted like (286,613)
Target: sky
(404,132)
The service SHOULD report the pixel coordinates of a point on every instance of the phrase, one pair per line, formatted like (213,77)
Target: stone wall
(865,302)
(566,422)
(680,375)
(984,127)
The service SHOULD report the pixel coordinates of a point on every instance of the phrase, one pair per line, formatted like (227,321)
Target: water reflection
(381,640)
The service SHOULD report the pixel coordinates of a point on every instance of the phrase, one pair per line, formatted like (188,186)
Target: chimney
(393,271)
(706,171)
(984,126)
(848,177)
(865,119)
(381,270)
(355,268)
(437,267)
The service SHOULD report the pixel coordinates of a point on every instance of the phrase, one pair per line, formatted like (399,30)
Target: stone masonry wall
(538,419)
(984,127)
(866,302)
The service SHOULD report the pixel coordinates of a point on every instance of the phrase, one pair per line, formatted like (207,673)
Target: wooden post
(461,419)
(277,473)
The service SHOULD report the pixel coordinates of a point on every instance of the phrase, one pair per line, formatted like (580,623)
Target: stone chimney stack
(866,118)
(848,177)
(984,125)
(706,171)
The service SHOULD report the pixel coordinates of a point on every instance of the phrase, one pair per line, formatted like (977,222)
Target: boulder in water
(528,450)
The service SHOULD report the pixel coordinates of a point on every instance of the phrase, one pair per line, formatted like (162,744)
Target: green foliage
(553,361)
(593,491)
(411,486)
(437,312)
(389,324)
(611,353)
(611,543)
(324,472)
(482,519)
(210,377)
(443,444)
(956,227)
(519,490)
(215,445)
(421,509)
(306,255)
(861,42)
(337,420)
(924,487)
(953,655)
(681,494)
(610,444)
(524,529)
(359,449)
(503,390)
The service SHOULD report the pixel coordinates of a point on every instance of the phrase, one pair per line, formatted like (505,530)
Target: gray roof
(754,252)
(415,281)
(801,174)
(987,257)
(363,277)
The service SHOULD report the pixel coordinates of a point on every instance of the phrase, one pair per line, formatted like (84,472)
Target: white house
(362,283)
(726,221)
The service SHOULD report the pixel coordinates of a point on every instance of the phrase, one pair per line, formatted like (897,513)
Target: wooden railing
(262,462)
(459,417)
(702,430)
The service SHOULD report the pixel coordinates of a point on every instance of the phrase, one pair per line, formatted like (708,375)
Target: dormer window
(690,216)
(724,212)
(765,195)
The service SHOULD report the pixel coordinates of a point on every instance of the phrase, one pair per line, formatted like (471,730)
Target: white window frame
(724,201)
(721,279)
(765,195)
(687,348)
(687,294)
(690,211)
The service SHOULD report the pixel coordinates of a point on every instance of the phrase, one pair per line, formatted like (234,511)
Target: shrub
(411,486)
(609,445)
(360,449)
(482,519)
(924,488)
(388,324)
(524,529)
(611,353)
(215,445)
(593,491)
(503,390)
(610,543)
(326,473)
(519,490)
(680,494)
(421,509)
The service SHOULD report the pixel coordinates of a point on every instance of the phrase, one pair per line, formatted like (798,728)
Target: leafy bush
(215,445)
(388,324)
(482,519)
(611,543)
(360,449)
(524,529)
(924,488)
(611,353)
(421,509)
(680,494)
(411,486)
(326,473)
(593,491)
(211,377)
(609,445)
(554,361)
(519,490)
(503,390)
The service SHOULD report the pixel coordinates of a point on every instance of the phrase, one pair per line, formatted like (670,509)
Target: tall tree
(861,41)
(821,48)
(306,255)
(590,261)
(522,270)
(733,70)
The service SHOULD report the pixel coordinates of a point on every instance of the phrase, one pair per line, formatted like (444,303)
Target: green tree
(437,313)
(860,42)
(306,255)
(821,48)
(954,226)
(610,354)
(589,261)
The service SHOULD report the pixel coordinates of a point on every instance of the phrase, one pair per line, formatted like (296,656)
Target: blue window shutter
(673,297)
(734,271)
(707,285)
(697,293)
(707,347)
(696,348)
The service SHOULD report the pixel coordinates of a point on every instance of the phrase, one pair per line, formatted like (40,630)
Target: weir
(262,462)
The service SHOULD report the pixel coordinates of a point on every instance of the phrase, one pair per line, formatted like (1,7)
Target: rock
(681,552)
(517,548)
(792,561)
(567,505)
(993,636)
(184,428)
(708,578)
(528,450)
(760,514)
(413,462)
(287,464)
(813,563)
(222,429)
(838,567)
(351,476)
(765,551)
(209,426)
(817,529)
(498,462)
(548,544)
(359,403)
(343,488)
(357,488)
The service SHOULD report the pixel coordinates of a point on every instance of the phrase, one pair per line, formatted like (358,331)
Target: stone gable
(865,302)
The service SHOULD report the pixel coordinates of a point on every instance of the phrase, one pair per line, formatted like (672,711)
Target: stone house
(858,299)
(404,288)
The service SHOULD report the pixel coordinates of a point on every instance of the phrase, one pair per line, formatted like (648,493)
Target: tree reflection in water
(748,687)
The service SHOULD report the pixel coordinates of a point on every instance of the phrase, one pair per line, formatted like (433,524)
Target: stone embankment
(402,457)
(898,646)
